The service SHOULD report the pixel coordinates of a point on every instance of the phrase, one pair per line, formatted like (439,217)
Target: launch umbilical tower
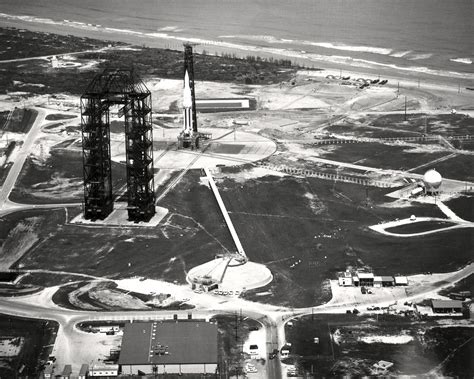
(124,88)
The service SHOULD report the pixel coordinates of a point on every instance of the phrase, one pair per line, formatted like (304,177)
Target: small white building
(345,279)
(108,328)
(377,281)
(48,372)
(401,281)
(54,62)
(103,371)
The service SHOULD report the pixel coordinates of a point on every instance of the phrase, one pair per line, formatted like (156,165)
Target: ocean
(424,36)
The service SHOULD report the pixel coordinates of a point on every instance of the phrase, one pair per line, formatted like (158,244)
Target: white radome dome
(432,179)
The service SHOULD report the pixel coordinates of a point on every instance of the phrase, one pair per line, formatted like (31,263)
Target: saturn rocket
(187,107)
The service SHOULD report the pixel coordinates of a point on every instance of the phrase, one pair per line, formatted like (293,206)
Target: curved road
(69,342)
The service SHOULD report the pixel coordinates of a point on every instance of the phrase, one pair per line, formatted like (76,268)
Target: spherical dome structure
(432,179)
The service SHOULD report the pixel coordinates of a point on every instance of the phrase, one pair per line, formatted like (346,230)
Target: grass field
(394,125)
(38,77)
(279,220)
(38,339)
(419,227)
(20,121)
(58,180)
(458,167)
(375,155)
(350,345)
(463,206)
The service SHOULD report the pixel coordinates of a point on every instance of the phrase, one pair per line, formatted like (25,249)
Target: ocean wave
(400,54)
(170,28)
(326,45)
(362,49)
(462,60)
(417,57)
(288,53)
(125,31)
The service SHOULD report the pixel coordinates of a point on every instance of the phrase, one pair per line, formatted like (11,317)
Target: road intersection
(70,340)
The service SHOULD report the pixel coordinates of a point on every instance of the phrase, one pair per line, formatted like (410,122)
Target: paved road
(51,55)
(21,157)
(68,344)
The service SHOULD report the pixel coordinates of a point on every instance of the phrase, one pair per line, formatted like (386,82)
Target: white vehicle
(250,368)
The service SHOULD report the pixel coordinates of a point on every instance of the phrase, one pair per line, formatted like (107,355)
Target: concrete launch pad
(232,276)
(119,218)
(227,148)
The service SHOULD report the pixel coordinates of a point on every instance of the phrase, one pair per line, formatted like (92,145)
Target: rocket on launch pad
(189,136)
(187,108)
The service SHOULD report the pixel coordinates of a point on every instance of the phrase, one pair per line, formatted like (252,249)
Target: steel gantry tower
(124,88)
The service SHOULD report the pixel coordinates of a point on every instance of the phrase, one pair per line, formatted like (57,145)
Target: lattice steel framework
(189,66)
(112,87)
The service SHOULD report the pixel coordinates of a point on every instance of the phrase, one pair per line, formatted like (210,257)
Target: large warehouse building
(187,347)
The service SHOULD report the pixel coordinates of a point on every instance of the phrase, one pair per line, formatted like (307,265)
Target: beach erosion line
(272,51)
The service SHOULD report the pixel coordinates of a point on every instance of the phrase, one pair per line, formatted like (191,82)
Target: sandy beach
(332,64)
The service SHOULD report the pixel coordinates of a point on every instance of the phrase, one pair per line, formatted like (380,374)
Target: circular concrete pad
(230,277)
(227,148)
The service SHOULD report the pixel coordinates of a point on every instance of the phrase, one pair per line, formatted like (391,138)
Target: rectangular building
(187,347)
(48,372)
(388,281)
(83,371)
(224,104)
(67,371)
(345,279)
(377,281)
(366,279)
(446,306)
(401,280)
(103,371)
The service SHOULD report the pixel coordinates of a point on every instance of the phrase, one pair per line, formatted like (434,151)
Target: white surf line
(228,221)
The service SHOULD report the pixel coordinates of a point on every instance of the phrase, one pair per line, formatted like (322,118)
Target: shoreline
(333,63)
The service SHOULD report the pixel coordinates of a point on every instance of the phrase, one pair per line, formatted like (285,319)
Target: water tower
(432,180)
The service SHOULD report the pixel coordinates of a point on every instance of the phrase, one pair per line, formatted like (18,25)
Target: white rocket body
(187,106)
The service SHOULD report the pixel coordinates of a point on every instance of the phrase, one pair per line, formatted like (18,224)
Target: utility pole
(398,89)
(405,108)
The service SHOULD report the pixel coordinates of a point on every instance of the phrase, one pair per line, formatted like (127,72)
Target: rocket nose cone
(186,79)
(187,98)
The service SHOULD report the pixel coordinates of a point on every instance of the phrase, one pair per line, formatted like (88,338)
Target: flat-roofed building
(224,104)
(366,279)
(446,306)
(401,280)
(387,281)
(67,371)
(187,347)
(103,371)
(48,372)
(345,279)
(377,281)
(83,371)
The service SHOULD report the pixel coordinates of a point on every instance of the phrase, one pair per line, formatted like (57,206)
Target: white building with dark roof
(187,347)
(446,306)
